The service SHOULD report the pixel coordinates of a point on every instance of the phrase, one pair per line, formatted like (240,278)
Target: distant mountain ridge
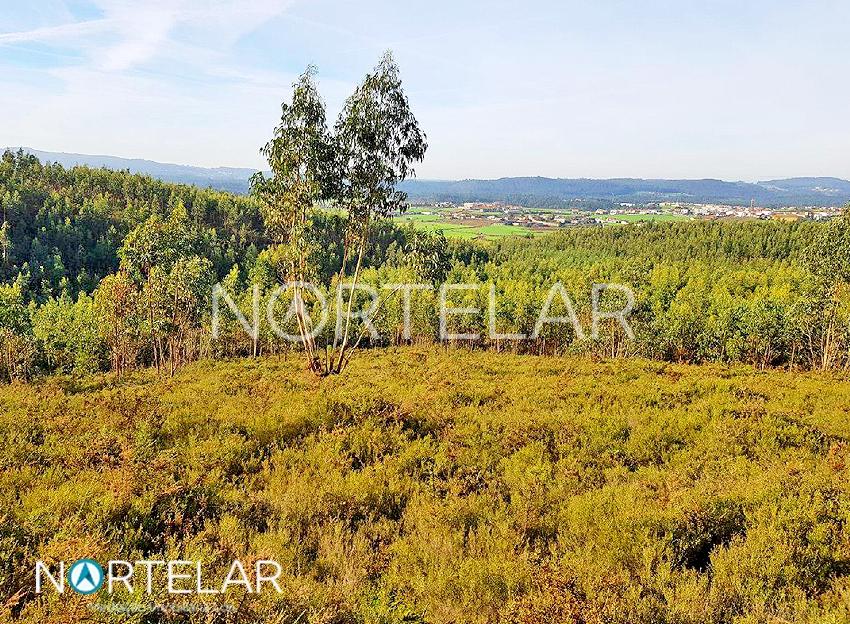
(552,191)
(530,191)
(233,179)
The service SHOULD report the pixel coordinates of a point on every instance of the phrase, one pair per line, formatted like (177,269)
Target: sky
(738,90)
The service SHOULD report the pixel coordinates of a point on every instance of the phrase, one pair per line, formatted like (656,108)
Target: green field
(455,229)
(441,486)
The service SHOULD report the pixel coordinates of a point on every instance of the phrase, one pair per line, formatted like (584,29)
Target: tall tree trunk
(150,322)
(339,362)
(330,353)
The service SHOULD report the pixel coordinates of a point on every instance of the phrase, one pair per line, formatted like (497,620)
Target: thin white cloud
(47,34)
(145,28)
(159,63)
(132,33)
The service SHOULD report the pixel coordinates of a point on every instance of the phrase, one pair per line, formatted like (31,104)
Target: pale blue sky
(745,89)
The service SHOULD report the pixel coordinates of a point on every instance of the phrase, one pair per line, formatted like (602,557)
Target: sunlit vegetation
(442,486)
(767,294)
(572,476)
(637,218)
(463,231)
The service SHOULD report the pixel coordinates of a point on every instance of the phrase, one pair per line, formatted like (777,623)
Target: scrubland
(430,485)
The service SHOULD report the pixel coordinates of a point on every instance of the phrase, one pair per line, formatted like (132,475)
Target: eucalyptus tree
(378,139)
(148,255)
(16,347)
(180,301)
(829,261)
(427,253)
(69,335)
(302,173)
(116,309)
(5,242)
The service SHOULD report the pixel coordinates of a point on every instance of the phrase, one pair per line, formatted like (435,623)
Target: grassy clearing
(432,486)
(454,229)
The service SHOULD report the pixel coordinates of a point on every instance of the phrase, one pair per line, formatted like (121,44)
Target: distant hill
(233,179)
(555,192)
(528,191)
(832,187)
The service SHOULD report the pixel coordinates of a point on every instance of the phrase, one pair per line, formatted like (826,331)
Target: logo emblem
(85,576)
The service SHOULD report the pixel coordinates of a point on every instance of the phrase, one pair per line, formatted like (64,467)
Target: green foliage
(764,293)
(157,244)
(69,335)
(14,316)
(301,158)
(61,228)
(379,139)
(427,254)
(356,168)
(17,347)
(116,303)
(172,284)
(829,256)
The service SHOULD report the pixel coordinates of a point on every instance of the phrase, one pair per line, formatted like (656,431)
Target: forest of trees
(107,271)
(104,270)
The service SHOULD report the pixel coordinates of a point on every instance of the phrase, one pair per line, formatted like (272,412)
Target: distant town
(480,213)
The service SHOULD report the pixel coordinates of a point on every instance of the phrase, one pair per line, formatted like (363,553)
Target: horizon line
(29,149)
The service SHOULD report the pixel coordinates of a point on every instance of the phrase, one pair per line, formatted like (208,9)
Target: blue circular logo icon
(85,576)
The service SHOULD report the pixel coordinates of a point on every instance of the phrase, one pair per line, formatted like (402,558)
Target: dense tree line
(130,264)
(726,303)
(61,229)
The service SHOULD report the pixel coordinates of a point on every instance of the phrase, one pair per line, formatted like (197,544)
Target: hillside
(531,191)
(551,192)
(232,179)
(76,247)
(433,486)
